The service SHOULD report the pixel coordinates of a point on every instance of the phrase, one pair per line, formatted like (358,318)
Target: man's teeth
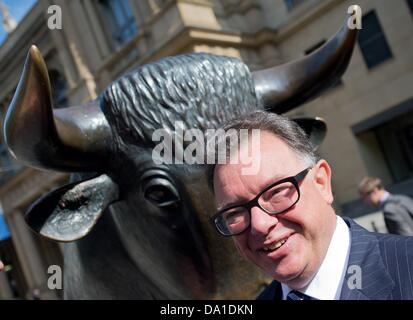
(275,245)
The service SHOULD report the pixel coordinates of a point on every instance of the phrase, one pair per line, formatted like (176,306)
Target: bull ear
(70,212)
(314,127)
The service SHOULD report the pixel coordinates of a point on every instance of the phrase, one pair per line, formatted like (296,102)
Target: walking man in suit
(397,209)
(282,219)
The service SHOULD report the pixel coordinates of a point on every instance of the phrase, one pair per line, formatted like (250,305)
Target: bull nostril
(72,200)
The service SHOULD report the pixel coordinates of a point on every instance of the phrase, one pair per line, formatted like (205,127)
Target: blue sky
(18,9)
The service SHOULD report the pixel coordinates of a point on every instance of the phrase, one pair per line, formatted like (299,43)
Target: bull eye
(161,192)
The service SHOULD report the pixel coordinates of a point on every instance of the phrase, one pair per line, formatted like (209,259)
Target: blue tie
(296,295)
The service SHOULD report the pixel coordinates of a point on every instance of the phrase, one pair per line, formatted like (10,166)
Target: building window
(119,19)
(410,4)
(291,4)
(388,148)
(372,42)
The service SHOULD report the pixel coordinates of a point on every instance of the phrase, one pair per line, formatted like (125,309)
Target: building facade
(369,112)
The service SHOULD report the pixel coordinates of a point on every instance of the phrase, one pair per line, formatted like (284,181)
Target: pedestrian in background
(397,209)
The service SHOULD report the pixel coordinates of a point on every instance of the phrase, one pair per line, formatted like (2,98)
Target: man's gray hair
(285,129)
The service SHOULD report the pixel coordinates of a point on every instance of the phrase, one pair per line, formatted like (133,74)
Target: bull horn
(69,139)
(282,88)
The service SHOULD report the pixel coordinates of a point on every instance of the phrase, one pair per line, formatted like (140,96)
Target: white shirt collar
(328,281)
(384,197)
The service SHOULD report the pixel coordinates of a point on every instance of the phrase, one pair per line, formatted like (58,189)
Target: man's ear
(322,179)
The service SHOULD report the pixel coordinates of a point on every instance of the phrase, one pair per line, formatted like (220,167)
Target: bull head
(78,138)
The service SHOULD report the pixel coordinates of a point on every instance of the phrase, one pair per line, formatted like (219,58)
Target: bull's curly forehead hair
(199,90)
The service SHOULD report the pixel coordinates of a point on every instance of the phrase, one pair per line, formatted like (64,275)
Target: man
(397,209)
(282,220)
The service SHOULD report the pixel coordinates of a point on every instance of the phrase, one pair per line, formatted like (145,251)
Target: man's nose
(262,222)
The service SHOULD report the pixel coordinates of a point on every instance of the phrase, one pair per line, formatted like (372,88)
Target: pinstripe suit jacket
(386,264)
(398,214)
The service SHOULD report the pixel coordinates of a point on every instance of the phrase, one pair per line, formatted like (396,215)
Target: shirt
(384,197)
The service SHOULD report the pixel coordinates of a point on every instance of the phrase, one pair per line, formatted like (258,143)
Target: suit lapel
(272,292)
(366,261)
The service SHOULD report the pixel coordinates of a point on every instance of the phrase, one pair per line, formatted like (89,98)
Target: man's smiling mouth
(274,246)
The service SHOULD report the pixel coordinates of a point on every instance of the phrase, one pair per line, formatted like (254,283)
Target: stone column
(77,49)
(29,257)
(5,290)
(101,37)
(144,10)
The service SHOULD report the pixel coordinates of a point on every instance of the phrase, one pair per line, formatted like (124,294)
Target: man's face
(307,227)
(373,197)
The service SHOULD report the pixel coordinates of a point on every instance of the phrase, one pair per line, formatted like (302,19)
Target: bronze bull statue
(152,238)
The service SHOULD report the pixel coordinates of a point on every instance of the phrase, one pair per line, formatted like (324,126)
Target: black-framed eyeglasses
(277,198)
